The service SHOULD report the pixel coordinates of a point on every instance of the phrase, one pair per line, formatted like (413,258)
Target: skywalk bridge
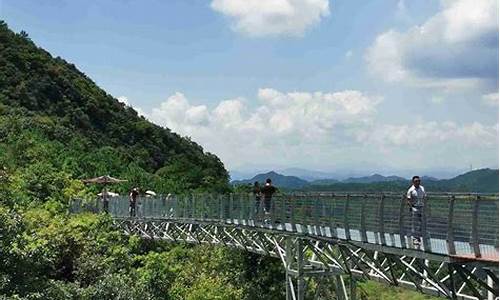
(327,242)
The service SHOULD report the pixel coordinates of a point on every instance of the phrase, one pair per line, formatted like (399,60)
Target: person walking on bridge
(134,194)
(416,196)
(268,190)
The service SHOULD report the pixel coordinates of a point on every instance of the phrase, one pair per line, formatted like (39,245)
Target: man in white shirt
(416,197)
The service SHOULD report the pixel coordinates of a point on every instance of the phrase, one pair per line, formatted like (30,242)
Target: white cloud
(178,114)
(402,6)
(437,99)
(123,100)
(229,113)
(490,99)
(284,126)
(422,135)
(456,48)
(197,115)
(323,130)
(272,17)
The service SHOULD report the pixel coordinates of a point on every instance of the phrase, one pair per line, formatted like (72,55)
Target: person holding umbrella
(105,180)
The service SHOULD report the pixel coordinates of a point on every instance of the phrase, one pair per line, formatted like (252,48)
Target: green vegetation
(47,254)
(55,121)
(378,291)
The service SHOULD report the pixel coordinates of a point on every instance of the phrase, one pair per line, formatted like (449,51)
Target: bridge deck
(456,226)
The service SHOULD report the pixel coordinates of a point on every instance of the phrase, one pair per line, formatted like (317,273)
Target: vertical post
(317,215)
(299,214)
(381,229)
(200,207)
(185,208)
(206,206)
(364,238)
(250,208)
(221,208)
(272,217)
(333,224)
(193,207)
(283,212)
(260,212)
(176,211)
(346,218)
(402,231)
(242,209)
(450,239)
(425,234)
(202,203)
(231,207)
(475,235)
(292,212)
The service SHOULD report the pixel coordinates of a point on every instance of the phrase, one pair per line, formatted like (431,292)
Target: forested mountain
(54,119)
(373,178)
(483,180)
(290,182)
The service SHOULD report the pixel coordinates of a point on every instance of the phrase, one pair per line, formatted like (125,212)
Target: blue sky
(373,86)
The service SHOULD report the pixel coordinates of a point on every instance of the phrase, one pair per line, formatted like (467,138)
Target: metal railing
(462,225)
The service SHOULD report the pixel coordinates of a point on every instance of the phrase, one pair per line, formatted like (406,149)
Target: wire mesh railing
(452,224)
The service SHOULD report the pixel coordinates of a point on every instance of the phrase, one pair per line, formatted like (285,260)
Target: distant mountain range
(339,174)
(483,180)
(282,181)
(309,175)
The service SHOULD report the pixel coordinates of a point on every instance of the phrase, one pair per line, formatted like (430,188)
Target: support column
(294,269)
(300,269)
(490,283)
(290,292)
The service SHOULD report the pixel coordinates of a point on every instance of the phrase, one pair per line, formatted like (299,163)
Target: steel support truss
(330,269)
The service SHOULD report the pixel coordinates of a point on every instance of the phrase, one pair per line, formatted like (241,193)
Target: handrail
(452,223)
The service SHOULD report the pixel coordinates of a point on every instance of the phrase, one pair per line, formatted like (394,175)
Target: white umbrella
(150,193)
(110,194)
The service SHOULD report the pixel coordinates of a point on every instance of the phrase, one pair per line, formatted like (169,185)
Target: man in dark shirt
(268,190)
(133,201)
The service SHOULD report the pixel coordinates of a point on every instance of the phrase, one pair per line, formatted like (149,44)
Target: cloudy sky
(374,86)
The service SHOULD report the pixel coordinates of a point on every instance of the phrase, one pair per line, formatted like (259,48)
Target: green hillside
(54,119)
(278,180)
(483,180)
